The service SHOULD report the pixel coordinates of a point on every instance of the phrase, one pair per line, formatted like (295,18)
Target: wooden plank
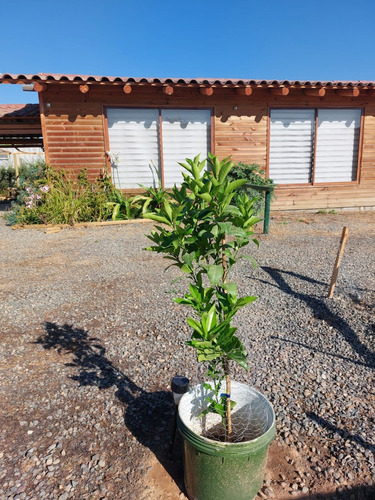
(340,253)
(56,227)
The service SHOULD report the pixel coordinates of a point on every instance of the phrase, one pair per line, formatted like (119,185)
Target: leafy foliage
(205,226)
(29,171)
(253,174)
(154,197)
(58,198)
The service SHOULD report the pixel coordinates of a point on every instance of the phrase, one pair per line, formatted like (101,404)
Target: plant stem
(228,427)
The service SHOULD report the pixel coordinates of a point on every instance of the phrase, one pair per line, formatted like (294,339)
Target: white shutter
(134,144)
(291,145)
(337,145)
(186,133)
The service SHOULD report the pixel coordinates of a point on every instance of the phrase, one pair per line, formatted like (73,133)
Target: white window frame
(113,155)
(357,150)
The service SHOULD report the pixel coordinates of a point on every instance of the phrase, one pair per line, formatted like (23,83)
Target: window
(145,143)
(4,158)
(314,145)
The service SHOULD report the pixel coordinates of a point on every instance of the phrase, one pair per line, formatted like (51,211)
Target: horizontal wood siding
(75,135)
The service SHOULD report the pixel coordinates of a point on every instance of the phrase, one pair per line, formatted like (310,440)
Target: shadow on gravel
(326,353)
(144,411)
(322,311)
(355,493)
(325,424)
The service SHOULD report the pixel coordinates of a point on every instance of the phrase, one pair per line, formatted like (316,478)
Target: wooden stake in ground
(338,262)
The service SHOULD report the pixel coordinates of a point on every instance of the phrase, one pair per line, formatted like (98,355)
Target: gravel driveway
(90,339)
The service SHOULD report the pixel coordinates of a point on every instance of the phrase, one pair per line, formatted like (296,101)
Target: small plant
(154,197)
(123,208)
(203,234)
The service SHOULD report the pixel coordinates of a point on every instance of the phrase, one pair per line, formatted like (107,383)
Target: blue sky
(295,40)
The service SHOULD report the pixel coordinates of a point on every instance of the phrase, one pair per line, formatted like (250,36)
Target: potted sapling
(226,426)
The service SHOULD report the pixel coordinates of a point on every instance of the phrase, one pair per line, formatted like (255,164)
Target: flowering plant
(34,195)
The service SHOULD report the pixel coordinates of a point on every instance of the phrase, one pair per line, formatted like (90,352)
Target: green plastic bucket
(215,470)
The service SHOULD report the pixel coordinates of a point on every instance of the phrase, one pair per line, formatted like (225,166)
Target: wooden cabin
(316,140)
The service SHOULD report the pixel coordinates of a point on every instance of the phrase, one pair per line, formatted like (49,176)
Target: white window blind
(134,144)
(185,133)
(337,145)
(291,145)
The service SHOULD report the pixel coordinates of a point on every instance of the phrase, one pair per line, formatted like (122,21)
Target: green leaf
(205,196)
(157,218)
(209,319)
(232,186)
(231,288)
(249,258)
(196,326)
(215,274)
(225,168)
(231,209)
(243,301)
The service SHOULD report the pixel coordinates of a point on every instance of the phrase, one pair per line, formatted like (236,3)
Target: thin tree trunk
(228,433)
(228,427)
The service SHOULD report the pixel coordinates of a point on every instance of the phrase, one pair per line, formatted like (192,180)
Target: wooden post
(40,87)
(15,158)
(167,89)
(338,261)
(353,92)
(84,89)
(246,90)
(279,91)
(207,91)
(127,88)
(321,92)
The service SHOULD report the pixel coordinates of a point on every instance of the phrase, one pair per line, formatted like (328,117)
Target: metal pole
(267,209)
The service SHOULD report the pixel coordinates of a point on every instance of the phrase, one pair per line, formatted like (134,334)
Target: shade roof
(58,77)
(19,110)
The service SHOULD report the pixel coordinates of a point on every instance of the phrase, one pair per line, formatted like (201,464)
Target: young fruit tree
(205,224)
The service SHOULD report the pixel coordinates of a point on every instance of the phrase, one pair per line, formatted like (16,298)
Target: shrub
(7,180)
(29,171)
(57,198)
(253,174)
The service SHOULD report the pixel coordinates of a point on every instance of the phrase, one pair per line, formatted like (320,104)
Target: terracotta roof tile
(58,77)
(19,110)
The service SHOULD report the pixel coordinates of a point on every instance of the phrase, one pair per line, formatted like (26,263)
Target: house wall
(74,131)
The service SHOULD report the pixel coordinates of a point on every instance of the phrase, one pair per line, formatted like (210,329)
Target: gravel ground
(90,339)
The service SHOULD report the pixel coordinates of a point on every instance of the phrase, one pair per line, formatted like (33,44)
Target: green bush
(29,171)
(253,174)
(7,180)
(57,198)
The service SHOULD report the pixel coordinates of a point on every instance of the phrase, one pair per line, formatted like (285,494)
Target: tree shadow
(143,411)
(354,493)
(322,311)
(326,353)
(325,424)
